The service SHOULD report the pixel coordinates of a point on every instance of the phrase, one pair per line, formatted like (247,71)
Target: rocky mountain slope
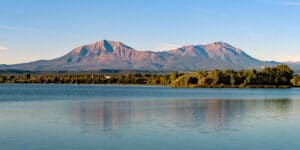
(118,56)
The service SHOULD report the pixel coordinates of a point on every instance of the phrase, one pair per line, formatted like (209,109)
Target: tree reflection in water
(213,114)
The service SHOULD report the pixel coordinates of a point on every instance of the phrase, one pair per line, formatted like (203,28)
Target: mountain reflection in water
(212,114)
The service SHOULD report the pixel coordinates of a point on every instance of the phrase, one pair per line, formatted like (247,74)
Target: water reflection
(133,117)
(208,114)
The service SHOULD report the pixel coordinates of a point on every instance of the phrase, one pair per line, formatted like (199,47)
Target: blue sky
(45,29)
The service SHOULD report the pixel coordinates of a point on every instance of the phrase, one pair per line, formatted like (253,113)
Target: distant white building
(107,77)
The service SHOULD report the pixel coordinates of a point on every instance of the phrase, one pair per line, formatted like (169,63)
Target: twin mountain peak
(118,56)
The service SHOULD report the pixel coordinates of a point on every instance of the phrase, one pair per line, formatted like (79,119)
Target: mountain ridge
(105,54)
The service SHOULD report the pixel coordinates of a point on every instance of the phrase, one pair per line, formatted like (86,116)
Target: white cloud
(3,48)
(167,46)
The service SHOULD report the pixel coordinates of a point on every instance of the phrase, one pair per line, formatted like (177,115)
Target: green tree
(214,75)
(27,76)
(295,81)
(251,77)
(283,75)
(174,76)
(240,77)
(269,75)
(163,80)
(192,80)
(2,79)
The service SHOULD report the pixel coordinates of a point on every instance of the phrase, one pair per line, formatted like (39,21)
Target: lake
(112,117)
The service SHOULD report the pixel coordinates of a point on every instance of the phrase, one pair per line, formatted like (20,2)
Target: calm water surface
(81,117)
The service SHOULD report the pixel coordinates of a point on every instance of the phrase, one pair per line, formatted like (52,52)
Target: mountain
(118,56)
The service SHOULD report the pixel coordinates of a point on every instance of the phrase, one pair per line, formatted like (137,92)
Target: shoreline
(280,76)
(170,86)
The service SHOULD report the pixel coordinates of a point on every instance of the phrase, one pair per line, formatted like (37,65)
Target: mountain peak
(108,42)
(107,54)
(102,45)
(222,45)
(112,44)
(219,44)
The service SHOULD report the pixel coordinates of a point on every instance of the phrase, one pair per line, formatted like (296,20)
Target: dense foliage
(89,79)
(279,76)
(296,81)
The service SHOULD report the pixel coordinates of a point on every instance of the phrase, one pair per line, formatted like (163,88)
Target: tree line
(129,78)
(279,76)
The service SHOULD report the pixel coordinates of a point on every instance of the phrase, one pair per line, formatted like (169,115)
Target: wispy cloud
(18,28)
(3,48)
(167,46)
